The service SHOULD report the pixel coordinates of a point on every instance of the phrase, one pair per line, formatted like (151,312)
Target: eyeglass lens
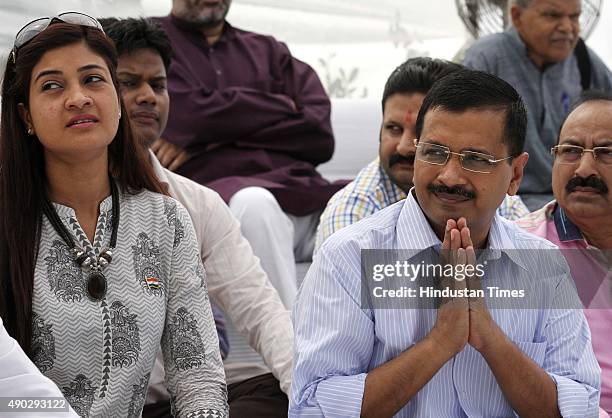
(31,30)
(35,27)
(569,154)
(470,160)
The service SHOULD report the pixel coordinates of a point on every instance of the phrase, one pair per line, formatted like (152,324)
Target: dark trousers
(258,397)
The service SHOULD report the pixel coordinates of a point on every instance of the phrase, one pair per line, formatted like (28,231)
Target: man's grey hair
(509,3)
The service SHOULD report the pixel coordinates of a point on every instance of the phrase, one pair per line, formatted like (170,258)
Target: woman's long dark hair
(22,172)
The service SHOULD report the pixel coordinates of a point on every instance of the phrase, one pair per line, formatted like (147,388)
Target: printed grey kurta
(100,354)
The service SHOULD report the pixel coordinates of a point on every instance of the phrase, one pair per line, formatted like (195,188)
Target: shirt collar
(395,193)
(566,229)
(517,40)
(415,234)
(64,211)
(413,229)
(157,168)
(160,172)
(229,32)
(500,241)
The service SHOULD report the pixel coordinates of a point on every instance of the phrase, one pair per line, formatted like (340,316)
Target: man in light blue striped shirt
(461,359)
(388,178)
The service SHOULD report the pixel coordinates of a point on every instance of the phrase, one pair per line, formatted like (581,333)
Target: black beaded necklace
(96,281)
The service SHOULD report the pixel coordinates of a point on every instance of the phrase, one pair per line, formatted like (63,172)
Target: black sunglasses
(35,27)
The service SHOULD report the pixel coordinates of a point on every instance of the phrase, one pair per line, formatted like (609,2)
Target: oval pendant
(96,285)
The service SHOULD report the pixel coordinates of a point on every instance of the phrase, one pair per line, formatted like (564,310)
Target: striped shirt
(337,342)
(594,284)
(373,190)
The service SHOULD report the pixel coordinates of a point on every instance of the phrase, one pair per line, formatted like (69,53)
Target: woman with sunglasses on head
(97,265)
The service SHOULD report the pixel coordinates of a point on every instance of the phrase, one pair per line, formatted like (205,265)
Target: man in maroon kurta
(248,114)
(251,122)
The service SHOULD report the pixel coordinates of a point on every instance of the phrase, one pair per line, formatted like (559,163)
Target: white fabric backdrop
(353,44)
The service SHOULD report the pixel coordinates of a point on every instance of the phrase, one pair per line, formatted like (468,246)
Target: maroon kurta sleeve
(311,125)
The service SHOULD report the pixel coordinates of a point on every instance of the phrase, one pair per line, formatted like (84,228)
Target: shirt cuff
(572,397)
(341,396)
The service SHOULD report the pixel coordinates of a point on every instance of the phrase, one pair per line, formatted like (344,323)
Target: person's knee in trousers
(271,234)
(256,206)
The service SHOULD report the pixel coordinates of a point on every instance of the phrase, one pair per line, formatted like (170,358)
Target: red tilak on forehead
(408,117)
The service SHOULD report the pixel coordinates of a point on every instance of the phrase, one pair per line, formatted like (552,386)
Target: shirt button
(218,72)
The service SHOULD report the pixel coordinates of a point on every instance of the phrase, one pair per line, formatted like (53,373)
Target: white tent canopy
(352,44)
